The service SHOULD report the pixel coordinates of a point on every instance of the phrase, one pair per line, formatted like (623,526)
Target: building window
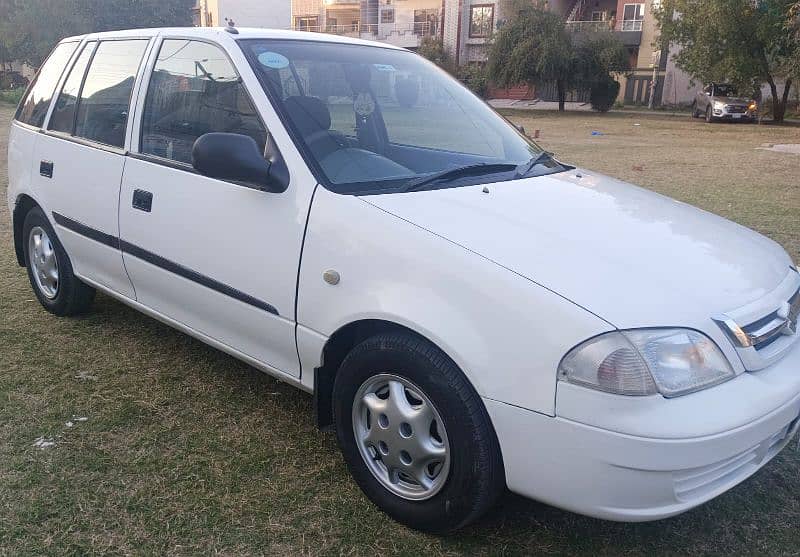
(598,16)
(387,15)
(632,17)
(306,23)
(426,22)
(481,19)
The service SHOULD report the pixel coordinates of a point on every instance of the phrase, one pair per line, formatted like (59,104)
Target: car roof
(243,33)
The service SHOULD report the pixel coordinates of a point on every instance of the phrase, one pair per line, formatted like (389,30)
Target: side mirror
(236,157)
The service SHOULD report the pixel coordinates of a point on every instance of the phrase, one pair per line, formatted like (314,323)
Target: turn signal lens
(642,362)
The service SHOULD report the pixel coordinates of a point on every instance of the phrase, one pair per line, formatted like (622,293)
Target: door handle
(46,169)
(142,200)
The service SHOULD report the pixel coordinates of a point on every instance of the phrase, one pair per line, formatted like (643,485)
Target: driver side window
(194,90)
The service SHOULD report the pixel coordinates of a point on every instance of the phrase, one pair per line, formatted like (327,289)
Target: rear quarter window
(33,108)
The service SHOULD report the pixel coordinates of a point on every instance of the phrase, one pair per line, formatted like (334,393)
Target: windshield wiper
(452,173)
(523,169)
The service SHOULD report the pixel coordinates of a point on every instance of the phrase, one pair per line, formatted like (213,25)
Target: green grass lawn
(185,450)
(12,96)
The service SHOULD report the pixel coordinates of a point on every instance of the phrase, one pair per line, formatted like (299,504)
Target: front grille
(736,109)
(772,327)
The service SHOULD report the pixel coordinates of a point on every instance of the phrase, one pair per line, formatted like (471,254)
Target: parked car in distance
(720,101)
(468,312)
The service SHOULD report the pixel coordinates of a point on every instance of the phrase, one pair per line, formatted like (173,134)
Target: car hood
(631,256)
(733,100)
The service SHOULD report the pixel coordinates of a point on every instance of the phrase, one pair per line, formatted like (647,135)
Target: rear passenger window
(33,108)
(194,90)
(63,117)
(106,94)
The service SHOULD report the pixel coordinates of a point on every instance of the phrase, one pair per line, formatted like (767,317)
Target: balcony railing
(350,29)
(381,31)
(595,26)
(588,26)
(419,29)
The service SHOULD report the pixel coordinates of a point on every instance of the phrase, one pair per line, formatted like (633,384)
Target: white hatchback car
(468,312)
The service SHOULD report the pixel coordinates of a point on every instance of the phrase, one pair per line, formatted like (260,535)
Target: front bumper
(660,471)
(733,114)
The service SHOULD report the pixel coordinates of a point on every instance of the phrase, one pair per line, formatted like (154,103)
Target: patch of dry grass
(186,450)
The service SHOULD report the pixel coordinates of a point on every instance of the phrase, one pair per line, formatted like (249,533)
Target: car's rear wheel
(49,269)
(415,434)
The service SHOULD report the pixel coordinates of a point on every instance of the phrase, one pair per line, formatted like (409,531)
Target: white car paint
(505,280)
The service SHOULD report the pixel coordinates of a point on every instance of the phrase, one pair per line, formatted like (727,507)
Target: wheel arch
(336,348)
(22,207)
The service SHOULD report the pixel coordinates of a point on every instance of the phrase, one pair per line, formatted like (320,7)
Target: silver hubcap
(401,437)
(43,262)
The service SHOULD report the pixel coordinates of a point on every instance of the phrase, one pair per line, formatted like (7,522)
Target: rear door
(82,154)
(219,257)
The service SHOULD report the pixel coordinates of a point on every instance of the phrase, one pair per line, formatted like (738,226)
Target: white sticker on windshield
(273,60)
(384,67)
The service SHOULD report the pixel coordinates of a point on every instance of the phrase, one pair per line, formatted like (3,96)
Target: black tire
(695,114)
(476,477)
(73,297)
(709,115)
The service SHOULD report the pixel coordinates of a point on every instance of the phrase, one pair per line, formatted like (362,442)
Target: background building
(468,24)
(274,14)
(465,28)
(399,22)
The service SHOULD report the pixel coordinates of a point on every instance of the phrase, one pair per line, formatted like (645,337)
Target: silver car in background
(720,101)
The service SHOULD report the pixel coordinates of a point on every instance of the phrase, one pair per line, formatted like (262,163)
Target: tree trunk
(784,101)
(778,107)
(562,95)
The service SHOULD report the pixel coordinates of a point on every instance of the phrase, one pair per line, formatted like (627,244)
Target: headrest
(309,114)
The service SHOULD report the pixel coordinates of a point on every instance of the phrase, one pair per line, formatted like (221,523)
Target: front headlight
(753,106)
(719,105)
(641,362)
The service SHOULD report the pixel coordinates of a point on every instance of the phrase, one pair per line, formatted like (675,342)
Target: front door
(219,257)
(82,156)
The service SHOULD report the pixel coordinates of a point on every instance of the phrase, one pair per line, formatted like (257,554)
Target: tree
(433,49)
(793,25)
(30,28)
(597,56)
(535,48)
(745,42)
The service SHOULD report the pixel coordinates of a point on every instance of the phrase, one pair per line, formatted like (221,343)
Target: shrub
(603,94)
(433,49)
(475,77)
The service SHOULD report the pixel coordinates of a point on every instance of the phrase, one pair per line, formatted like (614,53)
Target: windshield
(378,120)
(724,90)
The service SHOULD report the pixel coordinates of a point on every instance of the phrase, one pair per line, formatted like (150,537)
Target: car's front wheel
(50,270)
(415,434)
(709,114)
